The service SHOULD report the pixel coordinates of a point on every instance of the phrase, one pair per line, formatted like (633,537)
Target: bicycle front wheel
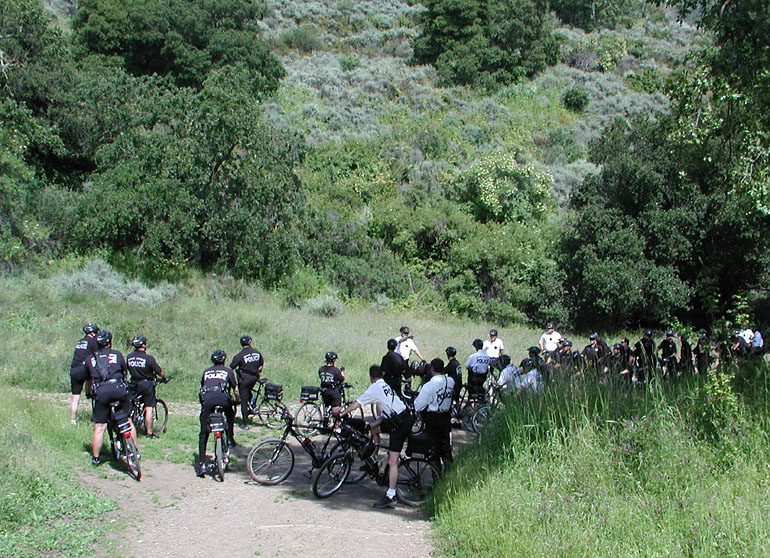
(270,413)
(159,417)
(132,459)
(481,418)
(416,478)
(466,414)
(219,457)
(356,474)
(270,462)
(332,474)
(308,419)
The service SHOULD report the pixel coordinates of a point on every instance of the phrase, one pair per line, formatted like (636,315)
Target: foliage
(576,99)
(181,38)
(594,14)
(325,305)
(486,44)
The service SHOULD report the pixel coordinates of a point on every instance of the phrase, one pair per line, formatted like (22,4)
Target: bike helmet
(451,351)
(218,356)
(593,336)
(534,349)
(505,360)
(392,344)
(567,343)
(404,329)
(617,346)
(330,356)
(245,340)
(549,325)
(669,333)
(702,331)
(103,338)
(138,341)
(561,341)
(493,333)
(648,332)
(477,344)
(527,364)
(90,328)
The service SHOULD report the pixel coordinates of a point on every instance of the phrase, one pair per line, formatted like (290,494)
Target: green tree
(486,43)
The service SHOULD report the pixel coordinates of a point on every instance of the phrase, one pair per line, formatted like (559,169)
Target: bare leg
(96,441)
(74,402)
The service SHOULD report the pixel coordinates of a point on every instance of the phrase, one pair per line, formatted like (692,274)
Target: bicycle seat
(347,385)
(262,381)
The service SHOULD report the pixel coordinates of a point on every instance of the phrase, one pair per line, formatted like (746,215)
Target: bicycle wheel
(416,478)
(356,475)
(332,474)
(219,458)
(159,417)
(270,462)
(466,414)
(481,418)
(270,413)
(308,419)
(132,459)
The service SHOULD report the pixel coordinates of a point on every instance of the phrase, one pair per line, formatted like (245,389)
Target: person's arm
(155,367)
(423,398)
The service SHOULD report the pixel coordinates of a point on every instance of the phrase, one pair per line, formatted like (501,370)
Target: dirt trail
(189,516)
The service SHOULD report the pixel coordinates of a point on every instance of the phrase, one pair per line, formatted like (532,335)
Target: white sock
(391,493)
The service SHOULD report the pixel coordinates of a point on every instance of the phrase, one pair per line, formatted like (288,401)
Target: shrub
(302,285)
(325,305)
(348,63)
(576,99)
(304,38)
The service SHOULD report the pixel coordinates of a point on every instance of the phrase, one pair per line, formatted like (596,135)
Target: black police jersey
(218,377)
(248,361)
(667,348)
(331,376)
(142,366)
(116,365)
(393,365)
(85,348)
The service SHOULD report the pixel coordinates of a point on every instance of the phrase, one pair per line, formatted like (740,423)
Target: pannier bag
(216,422)
(273,392)
(418,445)
(309,393)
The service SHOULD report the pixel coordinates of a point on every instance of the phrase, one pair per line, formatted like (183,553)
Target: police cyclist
(84,349)
(247,365)
(331,382)
(217,383)
(144,369)
(434,403)
(107,370)
(478,367)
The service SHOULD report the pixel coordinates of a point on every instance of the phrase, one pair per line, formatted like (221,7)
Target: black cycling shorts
(146,388)
(332,397)
(106,394)
(399,428)
(78,377)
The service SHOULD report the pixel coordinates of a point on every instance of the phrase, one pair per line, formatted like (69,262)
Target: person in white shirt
(510,377)
(549,342)
(494,347)
(434,403)
(395,420)
(406,345)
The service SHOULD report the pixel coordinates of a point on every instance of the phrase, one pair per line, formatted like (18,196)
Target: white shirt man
(550,339)
(493,346)
(435,395)
(406,345)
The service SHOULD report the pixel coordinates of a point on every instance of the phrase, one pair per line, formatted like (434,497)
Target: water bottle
(308,443)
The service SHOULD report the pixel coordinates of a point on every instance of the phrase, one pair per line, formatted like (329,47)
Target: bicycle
(417,473)
(121,444)
(482,415)
(272,461)
(270,408)
(159,411)
(313,415)
(471,398)
(218,427)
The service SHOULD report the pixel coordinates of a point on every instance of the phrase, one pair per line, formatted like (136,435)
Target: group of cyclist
(105,375)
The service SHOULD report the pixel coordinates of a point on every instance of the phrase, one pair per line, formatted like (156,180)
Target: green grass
(591,470)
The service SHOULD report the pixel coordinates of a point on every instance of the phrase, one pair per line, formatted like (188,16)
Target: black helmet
(477,344)
(392,344)
(561,341)
(404,329)
(534,349)
(330,356)
(90,328)
(702,331)
(549,325)
(617,346)
(103,338)
(669,333)
(505,360)
(451,351)
(648,332)
(493,333)
(594,335)
(567,343)
(218,356)
(245,340)
(528,364)
(138,341)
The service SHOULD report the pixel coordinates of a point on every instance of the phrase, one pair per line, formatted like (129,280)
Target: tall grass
(588,469)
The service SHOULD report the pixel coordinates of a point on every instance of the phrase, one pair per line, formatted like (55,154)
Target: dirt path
(190,516)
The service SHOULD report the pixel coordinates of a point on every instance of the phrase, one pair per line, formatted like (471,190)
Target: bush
(325,305)
(575,99)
